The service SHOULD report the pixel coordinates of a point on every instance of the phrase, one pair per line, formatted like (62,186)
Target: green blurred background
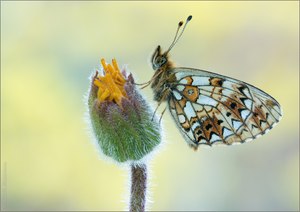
(48,51)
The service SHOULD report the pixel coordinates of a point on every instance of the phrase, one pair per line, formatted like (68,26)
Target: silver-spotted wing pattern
(210,108)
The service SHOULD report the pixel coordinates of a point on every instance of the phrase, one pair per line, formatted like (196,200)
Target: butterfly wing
(211,109)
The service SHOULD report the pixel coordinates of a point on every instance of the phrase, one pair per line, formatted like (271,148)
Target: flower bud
(120,117)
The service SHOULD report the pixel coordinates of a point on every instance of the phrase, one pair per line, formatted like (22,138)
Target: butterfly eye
(159,62)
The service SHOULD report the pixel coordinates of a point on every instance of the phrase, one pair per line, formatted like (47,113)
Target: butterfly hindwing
(210,108)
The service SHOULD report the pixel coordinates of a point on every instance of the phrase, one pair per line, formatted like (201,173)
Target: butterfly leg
(165,94)
(146,84)
(155,111)
(162,114)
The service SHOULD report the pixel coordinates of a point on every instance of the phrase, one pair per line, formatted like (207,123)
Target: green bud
(120,117)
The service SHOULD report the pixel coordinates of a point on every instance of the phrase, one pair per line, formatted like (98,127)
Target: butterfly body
(209,108)
(164,77)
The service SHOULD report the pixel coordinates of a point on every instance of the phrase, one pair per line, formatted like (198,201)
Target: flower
(111,85)
(120,117)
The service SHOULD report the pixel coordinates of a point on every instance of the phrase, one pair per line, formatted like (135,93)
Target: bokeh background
(48,51)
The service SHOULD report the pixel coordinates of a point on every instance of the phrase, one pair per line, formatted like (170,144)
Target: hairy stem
(138,187)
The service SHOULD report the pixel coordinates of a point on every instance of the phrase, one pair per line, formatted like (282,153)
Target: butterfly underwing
(210,108)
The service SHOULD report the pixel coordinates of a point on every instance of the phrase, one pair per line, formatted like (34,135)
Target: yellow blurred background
(48,51)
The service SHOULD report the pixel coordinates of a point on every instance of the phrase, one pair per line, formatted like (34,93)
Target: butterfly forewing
(213,109)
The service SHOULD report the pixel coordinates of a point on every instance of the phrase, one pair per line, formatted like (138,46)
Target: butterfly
(210,108)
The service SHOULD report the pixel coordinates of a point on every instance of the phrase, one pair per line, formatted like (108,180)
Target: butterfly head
(160,59)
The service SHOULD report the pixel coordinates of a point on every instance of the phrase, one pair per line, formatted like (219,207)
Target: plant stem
(138,187)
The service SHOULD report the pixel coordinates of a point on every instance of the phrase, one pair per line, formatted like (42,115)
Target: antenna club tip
(189,18)
(180,23)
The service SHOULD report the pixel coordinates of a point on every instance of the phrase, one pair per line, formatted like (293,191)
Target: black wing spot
(198,131)
(220,82)
(233,105)
(262,121)
(241,89)
(220,122)
(193,121)
(243,99)
(254,126)
(200,137)
(228,114)
(187,129)
(208,126)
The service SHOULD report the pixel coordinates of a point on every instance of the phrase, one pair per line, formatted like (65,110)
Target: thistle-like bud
(120,117)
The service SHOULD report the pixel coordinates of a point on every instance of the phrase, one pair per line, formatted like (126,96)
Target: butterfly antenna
(179,26)
(178,37)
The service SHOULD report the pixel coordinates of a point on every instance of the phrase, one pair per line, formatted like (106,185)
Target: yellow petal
(111,85)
